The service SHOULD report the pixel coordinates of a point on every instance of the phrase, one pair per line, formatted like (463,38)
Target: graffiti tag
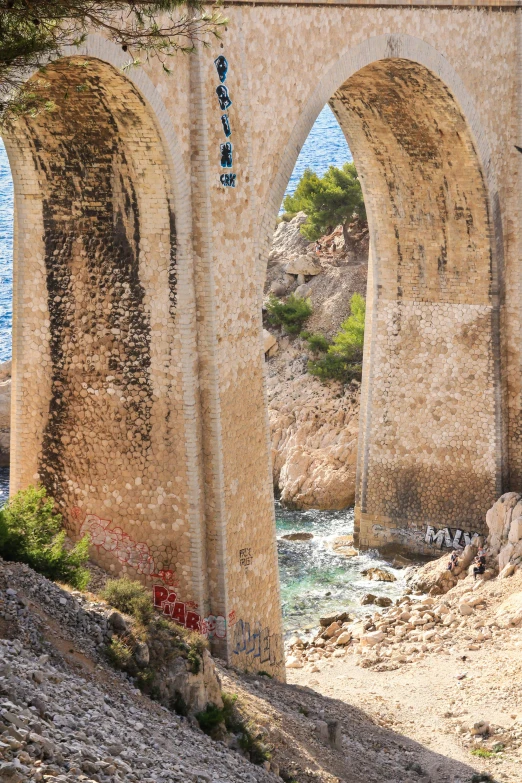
(245,557)
(225,102)
(444,537)
(135,554)
(257,642)
(182,613)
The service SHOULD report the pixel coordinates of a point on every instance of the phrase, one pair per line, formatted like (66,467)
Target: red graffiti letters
(180,612)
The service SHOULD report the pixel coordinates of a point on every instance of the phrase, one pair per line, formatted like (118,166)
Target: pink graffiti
(135,554)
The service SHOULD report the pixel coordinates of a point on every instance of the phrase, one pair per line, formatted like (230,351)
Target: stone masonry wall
(428,98)
(99,325)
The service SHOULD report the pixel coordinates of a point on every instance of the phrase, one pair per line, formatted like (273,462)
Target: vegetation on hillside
(34,32)
(329,201)
(290,314)
(164,640)
(214,721)
(31,532)
(341,360)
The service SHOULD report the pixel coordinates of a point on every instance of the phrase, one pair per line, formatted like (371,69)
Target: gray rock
(116,621)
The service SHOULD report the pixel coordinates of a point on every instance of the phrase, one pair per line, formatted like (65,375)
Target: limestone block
(303,265)
(505,556)
(268,340)
(515,530)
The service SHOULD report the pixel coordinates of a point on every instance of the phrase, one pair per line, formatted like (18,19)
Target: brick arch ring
(351,61)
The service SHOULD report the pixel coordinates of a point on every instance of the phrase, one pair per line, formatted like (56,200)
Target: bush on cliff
(130,597)
(31,532)
(343,360)
(291,314)
(329,201)
(316,342)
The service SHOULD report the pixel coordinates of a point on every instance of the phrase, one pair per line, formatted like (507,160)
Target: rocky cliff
(314,425)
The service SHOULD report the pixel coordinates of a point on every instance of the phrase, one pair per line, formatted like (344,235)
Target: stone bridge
(145,206)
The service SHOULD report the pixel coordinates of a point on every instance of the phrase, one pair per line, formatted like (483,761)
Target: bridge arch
(104,338)
(431,441)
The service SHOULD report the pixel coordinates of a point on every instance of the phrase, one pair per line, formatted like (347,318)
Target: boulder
(288,239)
(343,545)
(314,429)
(379,575)
(332,629)
(269,341)
(304,265)
(298,536)
(294,663)
(372,638)
(116,621)
(368,599)
(383,600)
(142,654)
(344,638)
(505,528)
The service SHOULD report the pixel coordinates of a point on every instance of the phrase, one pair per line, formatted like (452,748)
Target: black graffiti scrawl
(226,125)
(226,155)
(221,67)
(225,102)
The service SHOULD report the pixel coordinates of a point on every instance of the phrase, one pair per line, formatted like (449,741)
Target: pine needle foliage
(331,200)
(31,532)
(343,359)
(33,33)
(290,314)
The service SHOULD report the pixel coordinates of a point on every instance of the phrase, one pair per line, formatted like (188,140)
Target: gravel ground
(66,716)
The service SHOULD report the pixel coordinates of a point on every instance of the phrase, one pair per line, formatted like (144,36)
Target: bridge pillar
(431,436)
(137,376)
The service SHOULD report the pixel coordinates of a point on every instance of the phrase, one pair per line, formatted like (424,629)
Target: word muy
(135,554)
(184,614)
(259,643)
(225,102)
(444,537)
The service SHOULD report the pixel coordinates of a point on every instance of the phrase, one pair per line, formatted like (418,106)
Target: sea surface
(325,146)
(314,580)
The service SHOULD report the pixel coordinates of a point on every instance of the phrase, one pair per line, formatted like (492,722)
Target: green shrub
(130,597)
(194,660)
(119,654)
(334,367)
(343,361)
(210,719)
(317,343)
(31,532)
(250,741)
(349,340)
(330,200)
(291,314)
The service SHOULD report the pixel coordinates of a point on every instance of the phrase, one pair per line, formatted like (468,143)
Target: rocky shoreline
(472,623)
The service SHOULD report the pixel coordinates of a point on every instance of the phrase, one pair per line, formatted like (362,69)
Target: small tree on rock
(331,200)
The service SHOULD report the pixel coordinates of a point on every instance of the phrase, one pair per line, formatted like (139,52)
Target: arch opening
(97,385)
(430,453)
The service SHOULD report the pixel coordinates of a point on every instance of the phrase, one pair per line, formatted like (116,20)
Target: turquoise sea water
(314,580)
